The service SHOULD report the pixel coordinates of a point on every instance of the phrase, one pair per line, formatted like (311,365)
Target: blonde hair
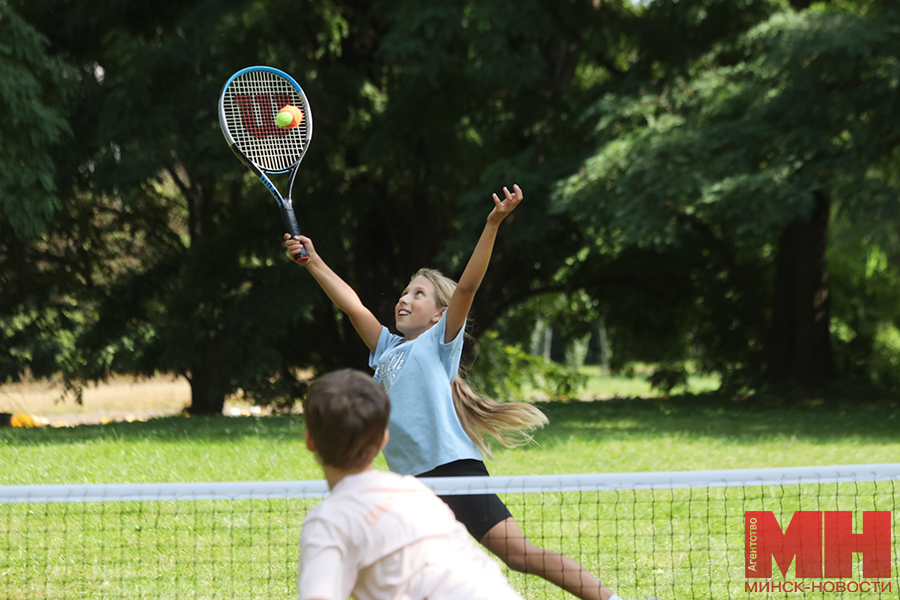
(482,418)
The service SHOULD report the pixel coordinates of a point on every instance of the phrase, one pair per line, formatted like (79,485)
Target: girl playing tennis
(438,426)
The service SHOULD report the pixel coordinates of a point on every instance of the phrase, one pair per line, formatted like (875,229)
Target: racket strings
(251,103)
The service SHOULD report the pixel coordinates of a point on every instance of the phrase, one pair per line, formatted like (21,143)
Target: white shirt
(383,536)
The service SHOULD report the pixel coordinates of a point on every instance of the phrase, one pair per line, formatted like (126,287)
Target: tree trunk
(799,341)
(207,391)
(207,385)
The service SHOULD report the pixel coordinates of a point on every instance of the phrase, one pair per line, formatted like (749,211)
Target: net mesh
(248,108)
(668,535)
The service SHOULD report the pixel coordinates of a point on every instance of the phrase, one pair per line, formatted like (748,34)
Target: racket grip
(290,220)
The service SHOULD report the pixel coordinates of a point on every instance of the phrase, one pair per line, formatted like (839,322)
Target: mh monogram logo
(822,542)
(269,104)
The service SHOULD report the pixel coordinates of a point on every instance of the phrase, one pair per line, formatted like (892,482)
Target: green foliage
(667,378)
(735,146)
(721,160)
(35,90)
(410,143)
(866,316)
(509,373)
(34,87)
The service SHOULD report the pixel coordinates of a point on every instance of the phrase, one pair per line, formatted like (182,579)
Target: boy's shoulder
(378,497)
(362,491)
(372,485)
(376,483)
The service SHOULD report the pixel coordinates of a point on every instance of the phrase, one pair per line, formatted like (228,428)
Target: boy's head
(346,416)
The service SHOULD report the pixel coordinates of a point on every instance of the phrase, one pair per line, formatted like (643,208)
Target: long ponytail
(508,423)
(481,418)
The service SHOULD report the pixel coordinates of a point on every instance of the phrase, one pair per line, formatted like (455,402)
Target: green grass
(619,435)
(636,385)
(686,543)
(167,449)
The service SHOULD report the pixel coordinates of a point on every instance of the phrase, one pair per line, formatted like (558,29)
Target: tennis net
(666,534)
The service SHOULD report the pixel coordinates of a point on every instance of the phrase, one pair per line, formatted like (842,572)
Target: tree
(171,250)
(738,158)
(34,88)
(146,205)
(421,112)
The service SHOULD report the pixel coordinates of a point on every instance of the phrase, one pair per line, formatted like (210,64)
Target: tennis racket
(248,106)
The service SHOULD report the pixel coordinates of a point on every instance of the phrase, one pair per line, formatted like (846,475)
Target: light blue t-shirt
(425,431)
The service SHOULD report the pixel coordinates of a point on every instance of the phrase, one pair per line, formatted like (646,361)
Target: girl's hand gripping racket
(265,137)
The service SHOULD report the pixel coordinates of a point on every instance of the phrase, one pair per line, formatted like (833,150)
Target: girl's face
(417,310)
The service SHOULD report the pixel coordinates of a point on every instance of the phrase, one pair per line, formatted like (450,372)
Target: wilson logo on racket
(261,124)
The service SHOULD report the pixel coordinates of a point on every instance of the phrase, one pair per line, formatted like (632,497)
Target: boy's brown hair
(346,414)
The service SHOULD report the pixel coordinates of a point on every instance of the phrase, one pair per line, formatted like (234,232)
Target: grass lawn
(685,544)
(612,436)
(636,385)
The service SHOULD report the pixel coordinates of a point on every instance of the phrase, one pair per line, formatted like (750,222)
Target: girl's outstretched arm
(340,292)
(470,281)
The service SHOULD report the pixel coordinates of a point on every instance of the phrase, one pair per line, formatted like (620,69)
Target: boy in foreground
(379,535)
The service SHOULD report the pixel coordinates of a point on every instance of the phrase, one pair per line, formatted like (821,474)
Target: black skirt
(478,512)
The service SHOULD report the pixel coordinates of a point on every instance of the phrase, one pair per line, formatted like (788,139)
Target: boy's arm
(470,281)
(339,291)
(325,571)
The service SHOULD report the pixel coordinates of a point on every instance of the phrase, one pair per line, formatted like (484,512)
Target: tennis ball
(289,116)
(284,119)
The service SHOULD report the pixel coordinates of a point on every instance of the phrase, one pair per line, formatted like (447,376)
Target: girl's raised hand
(502,208)
(295,244)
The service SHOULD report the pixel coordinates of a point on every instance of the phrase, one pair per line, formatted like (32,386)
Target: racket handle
(290,219)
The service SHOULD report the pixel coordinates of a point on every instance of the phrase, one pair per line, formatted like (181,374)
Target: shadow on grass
(716,415)
(711,415)
(174,429)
